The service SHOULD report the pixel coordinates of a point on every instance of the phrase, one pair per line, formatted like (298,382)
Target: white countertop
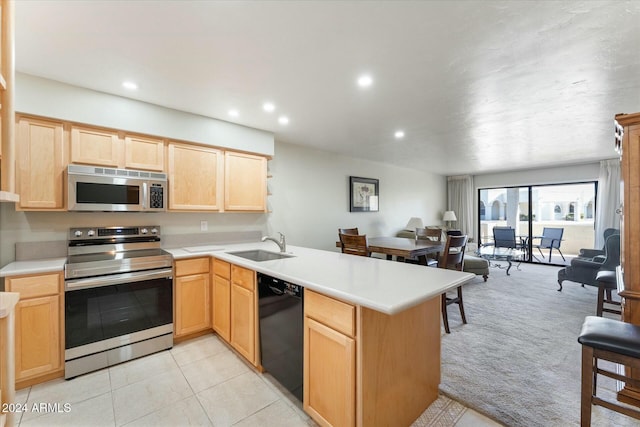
(386,286)
(33,267)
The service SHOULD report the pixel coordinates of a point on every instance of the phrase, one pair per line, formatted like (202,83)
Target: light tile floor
(200,382)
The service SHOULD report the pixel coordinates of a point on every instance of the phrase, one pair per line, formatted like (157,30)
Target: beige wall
(311,196)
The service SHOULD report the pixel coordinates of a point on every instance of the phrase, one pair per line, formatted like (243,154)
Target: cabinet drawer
(222,268)
(34,286)
(187,267)
(243,277)
(331,312)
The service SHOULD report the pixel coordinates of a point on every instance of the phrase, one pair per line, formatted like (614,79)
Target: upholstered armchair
(591,253)
(584,270)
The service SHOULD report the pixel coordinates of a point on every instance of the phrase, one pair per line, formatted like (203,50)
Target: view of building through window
(552,222)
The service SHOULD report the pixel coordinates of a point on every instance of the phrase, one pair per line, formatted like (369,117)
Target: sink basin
(260,255)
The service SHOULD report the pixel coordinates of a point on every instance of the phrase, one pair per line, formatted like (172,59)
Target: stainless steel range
(118,297)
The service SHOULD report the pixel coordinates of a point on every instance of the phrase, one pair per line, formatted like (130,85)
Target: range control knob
(78,233)
(144,231)
(154,231)
(91,233)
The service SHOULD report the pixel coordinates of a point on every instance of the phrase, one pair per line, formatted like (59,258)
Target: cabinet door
(195,177)
(245,182)
(95,147)
(143,153)
(329,375)
(38,340)
(243,330)
(221,307)
(193,313)
(41,163)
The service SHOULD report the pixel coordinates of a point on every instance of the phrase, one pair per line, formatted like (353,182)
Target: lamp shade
(449,216)
(414,223)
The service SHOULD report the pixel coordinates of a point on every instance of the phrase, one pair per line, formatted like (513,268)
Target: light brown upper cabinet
(93,146)
(245,182)
(41,164)
(143,153)
(195,177)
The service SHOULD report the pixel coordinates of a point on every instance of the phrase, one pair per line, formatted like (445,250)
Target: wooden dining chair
(453,258)
(433,234)
(352,231)
(354,244)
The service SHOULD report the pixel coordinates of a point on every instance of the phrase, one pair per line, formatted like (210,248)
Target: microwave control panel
(156,196)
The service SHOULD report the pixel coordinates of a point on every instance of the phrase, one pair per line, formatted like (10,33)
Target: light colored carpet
(518,359)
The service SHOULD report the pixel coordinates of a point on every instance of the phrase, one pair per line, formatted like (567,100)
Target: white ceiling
(477,86)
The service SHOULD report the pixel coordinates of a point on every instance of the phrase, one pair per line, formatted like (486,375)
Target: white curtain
(608,199)
(460,201)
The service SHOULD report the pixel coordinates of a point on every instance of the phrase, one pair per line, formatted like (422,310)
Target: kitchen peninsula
(372,327)
(372,331)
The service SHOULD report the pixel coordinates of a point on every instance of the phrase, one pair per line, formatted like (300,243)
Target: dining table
(403,247)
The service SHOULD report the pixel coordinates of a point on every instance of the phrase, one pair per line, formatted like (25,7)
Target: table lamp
(414,223)
(448,218)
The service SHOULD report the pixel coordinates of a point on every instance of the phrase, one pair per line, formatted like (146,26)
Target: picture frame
(364,194)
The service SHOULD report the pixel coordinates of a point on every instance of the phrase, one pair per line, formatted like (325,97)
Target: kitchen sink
(260,255)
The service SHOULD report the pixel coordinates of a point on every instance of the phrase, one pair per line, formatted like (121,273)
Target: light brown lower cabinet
(192,296)
(329,384)
(366,368)
(235,308)
(243,312)
(221,299)
(39,341)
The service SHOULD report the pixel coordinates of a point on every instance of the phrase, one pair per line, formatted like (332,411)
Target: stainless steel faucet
(280,242)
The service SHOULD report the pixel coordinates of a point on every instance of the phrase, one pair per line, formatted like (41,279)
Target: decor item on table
(448,218)
(363,194)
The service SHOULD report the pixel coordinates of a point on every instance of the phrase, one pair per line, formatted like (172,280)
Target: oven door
(110,311)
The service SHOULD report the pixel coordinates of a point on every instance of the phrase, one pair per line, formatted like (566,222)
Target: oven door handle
(117,279)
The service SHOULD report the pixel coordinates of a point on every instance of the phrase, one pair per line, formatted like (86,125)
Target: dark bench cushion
(611,335)
(607,278)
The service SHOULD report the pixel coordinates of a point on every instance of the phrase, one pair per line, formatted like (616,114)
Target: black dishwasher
(280,307)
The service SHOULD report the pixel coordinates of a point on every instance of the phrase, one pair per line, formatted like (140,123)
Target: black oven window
(112,194)
(96,314)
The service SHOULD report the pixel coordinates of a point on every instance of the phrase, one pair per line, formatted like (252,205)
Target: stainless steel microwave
(92,188)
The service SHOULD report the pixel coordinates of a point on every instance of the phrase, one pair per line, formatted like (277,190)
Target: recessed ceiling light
(234,113)
(399,134)
(365,81)
(129,85)
(283,120)
(268,107)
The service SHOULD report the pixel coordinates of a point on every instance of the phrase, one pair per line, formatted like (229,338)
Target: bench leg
(587,386)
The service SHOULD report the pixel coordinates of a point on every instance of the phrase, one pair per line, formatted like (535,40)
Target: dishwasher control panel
(268,284)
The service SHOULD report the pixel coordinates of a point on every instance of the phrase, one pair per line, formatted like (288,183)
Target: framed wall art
(363,194)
